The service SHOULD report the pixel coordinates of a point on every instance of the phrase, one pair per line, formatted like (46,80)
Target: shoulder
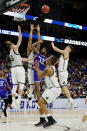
(49,70)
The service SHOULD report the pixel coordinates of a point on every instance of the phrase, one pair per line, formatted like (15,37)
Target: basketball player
(3,83)
(17,70)
(62,70)
(41,57)
(9,80)
(31,55)
(51,93)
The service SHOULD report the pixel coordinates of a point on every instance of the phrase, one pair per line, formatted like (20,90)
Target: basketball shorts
(50,94)
(18,75)
(63,78)
(3,95)
(31,76)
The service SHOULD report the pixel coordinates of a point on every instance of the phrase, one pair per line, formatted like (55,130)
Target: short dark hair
(53,59)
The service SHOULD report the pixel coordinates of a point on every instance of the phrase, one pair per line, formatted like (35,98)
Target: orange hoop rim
(25,5)
(18,9)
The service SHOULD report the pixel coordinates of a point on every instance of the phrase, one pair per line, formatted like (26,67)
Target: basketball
(45,9)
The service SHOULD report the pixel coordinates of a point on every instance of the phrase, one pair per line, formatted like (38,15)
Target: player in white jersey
(30,55)
(62,70)
(51,93)
(17,70)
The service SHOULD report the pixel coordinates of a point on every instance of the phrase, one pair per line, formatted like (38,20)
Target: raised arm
(29,47)
(38,33)
(57,49)
(20,37)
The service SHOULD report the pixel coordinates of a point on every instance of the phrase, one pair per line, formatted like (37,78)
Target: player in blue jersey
(41,57)
(3,84)
(9,80)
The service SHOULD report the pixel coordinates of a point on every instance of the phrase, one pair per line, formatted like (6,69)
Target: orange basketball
(45,9)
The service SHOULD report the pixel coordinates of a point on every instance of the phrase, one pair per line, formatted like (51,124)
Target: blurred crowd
(77,74)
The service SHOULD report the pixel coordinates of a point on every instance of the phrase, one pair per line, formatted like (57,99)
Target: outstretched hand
(38,27)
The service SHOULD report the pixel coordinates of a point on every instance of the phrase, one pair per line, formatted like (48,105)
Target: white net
(20,12)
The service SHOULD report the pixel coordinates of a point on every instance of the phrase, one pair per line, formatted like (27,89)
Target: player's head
(44,51)
(52,60)
(1,71)
(9,44)
(8,68)
(69,48)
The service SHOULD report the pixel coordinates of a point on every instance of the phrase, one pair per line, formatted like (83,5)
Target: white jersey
(16,59)
(31,62)
(52,81)
(63,64)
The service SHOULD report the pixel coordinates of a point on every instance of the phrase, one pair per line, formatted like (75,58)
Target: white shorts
(51,94)
(63,78)
(18,75)
(31,76)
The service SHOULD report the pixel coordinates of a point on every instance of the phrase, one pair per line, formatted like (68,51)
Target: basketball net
(20,12)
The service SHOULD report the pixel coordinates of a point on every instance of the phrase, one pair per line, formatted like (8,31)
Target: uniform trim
(15,84)
(45,100)
(16,66)
(15,52)
(21,83)
(31,84)
(36,81)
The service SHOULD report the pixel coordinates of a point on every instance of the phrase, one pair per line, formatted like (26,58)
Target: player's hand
(19,28)
(86,100)
(52,44)
(38,27)
(40,41)
(36,65)
(31,27)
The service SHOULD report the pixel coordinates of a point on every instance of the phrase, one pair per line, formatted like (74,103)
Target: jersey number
(11,57)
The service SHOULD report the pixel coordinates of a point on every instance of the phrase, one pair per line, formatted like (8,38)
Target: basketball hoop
(20,12)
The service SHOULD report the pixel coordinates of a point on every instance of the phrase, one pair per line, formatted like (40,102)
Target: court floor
(24,121)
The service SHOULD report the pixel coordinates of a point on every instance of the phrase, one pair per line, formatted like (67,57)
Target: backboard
(5,5)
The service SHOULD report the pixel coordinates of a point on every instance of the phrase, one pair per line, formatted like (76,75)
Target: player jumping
(62,70)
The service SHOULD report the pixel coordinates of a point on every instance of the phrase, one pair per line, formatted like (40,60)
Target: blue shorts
(3,95)
(36,79)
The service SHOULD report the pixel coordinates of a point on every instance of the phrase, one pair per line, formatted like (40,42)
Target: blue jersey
(42,60)
(2,84)
(9,80)
(2,88)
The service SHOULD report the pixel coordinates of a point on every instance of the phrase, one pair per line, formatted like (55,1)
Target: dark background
(72,11)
